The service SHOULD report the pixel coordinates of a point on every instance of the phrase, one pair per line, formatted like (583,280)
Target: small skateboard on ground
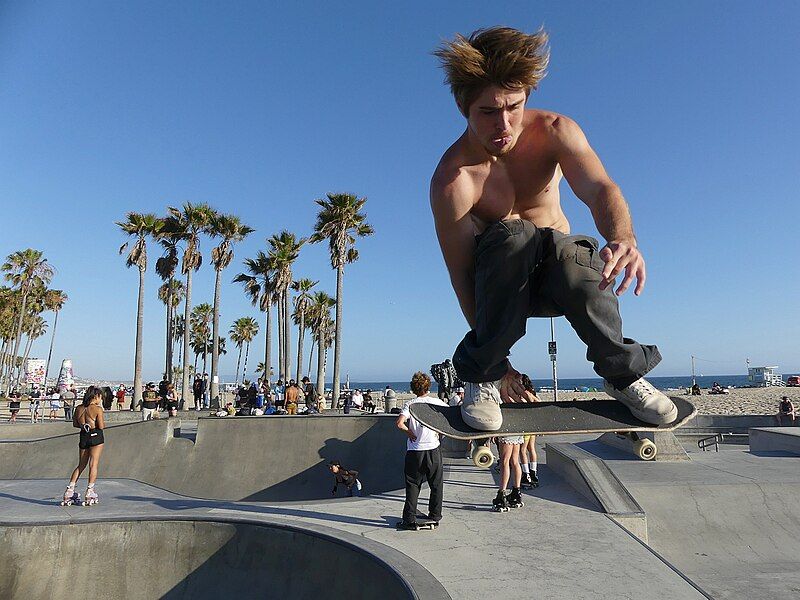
(418,526)
(550,418)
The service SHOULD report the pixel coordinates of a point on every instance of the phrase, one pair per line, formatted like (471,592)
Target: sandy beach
(741,401)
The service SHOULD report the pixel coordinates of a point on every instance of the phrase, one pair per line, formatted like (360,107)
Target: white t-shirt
(427,439)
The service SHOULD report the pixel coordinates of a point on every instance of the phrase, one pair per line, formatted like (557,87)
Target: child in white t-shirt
(423,456)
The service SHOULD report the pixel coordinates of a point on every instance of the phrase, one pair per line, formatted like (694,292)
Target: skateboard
(550,418)
(418,526)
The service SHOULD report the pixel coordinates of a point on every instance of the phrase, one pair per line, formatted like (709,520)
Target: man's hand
(623,256)
(511,388)
(411,435)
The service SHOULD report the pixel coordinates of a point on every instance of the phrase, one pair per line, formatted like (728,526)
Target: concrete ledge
(728,423)
(591,477)
(775,439)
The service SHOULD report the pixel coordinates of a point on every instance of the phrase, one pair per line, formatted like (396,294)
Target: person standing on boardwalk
(423,456)
(89,419)
(506,241)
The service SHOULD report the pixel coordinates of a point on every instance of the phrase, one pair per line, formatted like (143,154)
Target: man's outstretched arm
(588,179)
(451,202)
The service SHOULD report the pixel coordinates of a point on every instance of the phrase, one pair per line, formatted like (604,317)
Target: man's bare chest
(502,192)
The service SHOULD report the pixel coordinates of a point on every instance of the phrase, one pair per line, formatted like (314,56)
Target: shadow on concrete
(180,504)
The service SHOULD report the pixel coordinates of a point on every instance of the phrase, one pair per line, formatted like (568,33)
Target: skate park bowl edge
(255,459)
(176,559)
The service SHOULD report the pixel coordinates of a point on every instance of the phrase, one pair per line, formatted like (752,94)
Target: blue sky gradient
(259,108)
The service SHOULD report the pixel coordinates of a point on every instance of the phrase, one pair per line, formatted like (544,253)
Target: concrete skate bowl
(195,559)
(256,459)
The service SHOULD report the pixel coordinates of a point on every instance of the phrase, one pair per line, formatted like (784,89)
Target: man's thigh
(570,264)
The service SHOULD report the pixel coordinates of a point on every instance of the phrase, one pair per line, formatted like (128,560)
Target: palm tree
(35,327)
(339,221)
(319,316)
(301,303)
(249,332)
(177,336)
(284,250)
(231,230)
(237,339)
(186,224)
(25,269)
(140,226)
(259,285)
(172,292)
(200,322)
(54,301)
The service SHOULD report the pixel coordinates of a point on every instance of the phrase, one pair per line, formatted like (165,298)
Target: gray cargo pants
(522,271)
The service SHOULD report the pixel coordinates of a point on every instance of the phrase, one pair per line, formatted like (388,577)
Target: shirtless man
(506,241)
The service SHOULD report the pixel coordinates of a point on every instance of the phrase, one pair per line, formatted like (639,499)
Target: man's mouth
(501,141)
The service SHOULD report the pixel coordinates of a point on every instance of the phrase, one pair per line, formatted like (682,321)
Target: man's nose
(503,121)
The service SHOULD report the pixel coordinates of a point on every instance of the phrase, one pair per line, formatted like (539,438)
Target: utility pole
(693,378)
(551,349)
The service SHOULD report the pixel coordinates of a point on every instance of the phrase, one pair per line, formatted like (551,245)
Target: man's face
(495,119)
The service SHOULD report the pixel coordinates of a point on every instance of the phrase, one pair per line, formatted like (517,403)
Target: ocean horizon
(566,384)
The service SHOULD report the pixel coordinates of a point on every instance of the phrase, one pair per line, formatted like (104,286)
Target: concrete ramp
(203,559)
(234,458)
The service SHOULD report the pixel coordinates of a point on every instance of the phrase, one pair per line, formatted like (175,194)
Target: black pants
(522,271)
(423,465)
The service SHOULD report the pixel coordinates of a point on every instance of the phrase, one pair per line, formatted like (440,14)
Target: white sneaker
(645,402)
(480,408)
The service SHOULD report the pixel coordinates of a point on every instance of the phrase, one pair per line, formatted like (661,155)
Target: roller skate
(526,482)
(71,496)
(534,479)
(91,497)
(514,499)
(500,503)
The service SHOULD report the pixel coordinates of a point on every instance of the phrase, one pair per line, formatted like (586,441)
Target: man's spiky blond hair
(499,56)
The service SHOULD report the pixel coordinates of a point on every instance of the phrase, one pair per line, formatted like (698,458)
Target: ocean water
(662,383)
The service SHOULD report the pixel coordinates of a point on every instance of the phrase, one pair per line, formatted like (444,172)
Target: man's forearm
(611,215)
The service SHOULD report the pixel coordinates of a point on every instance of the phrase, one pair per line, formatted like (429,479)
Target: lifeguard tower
(764,376)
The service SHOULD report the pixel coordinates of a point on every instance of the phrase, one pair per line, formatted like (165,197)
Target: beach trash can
(389,401)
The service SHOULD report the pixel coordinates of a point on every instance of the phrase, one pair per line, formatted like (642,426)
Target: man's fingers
(640,279)
(629,276)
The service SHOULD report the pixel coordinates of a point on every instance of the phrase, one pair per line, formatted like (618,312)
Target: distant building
(764,376)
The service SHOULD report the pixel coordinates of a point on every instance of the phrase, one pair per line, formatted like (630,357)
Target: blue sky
(259,108)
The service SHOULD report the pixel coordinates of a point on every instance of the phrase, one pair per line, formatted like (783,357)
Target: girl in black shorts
(89,419)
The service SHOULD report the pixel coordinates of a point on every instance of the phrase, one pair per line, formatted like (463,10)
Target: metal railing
(712,440)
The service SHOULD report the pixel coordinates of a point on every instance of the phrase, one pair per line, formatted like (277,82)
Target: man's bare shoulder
(452,178)
(553,127)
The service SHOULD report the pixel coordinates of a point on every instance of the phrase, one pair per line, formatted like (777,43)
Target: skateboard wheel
(482,457)
(645,449)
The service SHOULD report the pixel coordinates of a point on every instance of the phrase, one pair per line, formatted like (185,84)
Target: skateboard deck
(540,418)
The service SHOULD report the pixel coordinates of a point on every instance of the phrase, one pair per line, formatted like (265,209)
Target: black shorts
(92,437)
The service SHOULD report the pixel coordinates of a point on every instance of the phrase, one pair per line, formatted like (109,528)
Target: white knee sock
(533,466)
(525,468)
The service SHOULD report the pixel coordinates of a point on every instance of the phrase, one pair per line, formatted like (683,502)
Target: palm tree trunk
(50,352)
(186,387)
(310,357)
(337,352)
(215,346)
(137,361)
(287,337)
(300,334)
(246,355)
(167,347)
(268,349)
(27,352)
(280,340)
(18,335)
(238,362)
(321,366)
